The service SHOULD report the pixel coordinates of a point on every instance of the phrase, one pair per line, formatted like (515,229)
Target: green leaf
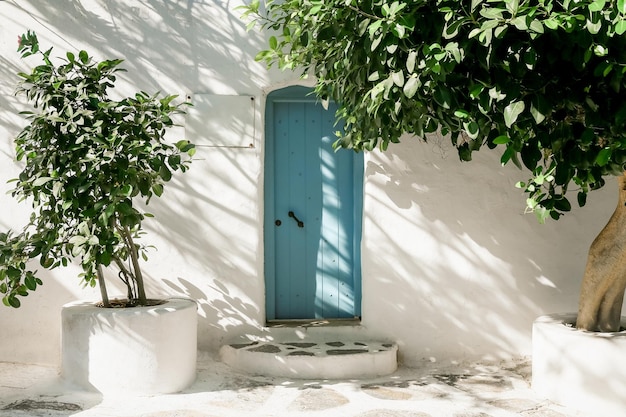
(502,140)
(492,12)
(541,213)
(551,23)
(597,5)
(399,31)
(512,6)
(83,56)
(273,42)
(537,115)
(507,155)
(46,262)
(398,78)
(443,97)
(376,42)
(465,153)
(410,87)
(30,282)
(594,27)
(562,204)
(77,240)
(410,62)
(604,156)
(536,26)
(531,155)
(472,129)
(600,50)
(461,114)
(41,181)
(520,23)
(165,173)
(512,112)
(157,189)
(104,258)
(621,6)
(14,302)
(456,52)
(475,90)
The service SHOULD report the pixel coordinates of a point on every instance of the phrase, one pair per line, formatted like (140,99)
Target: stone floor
(461,390)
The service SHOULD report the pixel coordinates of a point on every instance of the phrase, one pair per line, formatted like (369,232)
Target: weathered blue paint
(311,271)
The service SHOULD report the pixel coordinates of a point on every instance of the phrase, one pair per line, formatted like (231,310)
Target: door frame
(298,93)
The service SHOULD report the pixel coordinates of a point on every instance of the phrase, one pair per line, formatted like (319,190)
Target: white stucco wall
(451,262)
(452,268)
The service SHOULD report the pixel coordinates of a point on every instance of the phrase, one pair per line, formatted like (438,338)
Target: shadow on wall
(207,230)
(11,121)
(209,241)
(473,269)
(165,44)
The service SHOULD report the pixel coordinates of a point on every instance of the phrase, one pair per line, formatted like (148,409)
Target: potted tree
(88,159)
(543,81)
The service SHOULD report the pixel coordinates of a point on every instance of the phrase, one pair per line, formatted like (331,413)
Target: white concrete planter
(583,370)
(130,351)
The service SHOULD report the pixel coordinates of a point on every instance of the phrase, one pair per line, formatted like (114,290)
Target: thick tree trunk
(603,286)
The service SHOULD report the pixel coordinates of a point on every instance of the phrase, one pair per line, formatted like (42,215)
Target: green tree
(87,159)
(540,80)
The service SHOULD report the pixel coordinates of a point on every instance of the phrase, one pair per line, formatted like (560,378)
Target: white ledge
(579,369)
(313,360)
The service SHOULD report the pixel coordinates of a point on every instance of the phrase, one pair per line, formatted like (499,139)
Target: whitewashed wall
(452,268)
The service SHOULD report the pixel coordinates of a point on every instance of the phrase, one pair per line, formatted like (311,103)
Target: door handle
(293,216)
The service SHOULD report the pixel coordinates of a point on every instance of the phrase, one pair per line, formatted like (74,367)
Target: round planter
(579,369)
(130,351)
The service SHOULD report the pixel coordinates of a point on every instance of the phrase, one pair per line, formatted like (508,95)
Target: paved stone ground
(471,390)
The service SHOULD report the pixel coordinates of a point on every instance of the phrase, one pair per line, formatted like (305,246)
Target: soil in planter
(126,303)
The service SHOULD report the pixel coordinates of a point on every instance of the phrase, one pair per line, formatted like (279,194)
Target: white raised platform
(579,369)
(313,360)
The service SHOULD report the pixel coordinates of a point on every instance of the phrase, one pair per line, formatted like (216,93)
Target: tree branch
(103,289)
(141,293)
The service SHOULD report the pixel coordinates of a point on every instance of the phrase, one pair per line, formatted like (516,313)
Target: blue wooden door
(313,206)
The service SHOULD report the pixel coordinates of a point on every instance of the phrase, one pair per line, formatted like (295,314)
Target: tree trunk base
(604,282)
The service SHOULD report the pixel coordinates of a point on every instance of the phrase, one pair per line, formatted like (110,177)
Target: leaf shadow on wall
(456,256)
(206,225)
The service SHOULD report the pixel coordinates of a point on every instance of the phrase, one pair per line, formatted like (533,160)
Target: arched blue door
(313,211)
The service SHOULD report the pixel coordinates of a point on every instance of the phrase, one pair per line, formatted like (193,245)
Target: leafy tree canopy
(541,80)
(86,159)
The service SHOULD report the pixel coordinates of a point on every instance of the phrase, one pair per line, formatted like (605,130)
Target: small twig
(361,12)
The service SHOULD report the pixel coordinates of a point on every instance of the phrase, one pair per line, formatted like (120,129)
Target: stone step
(313,359)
